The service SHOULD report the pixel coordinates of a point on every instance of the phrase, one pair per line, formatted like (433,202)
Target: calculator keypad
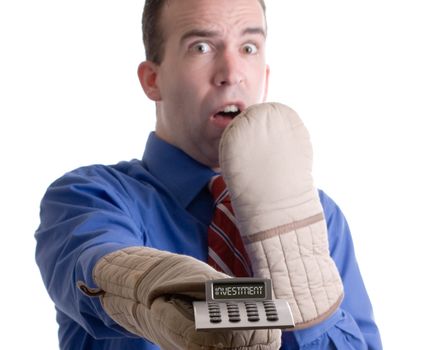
(242,314)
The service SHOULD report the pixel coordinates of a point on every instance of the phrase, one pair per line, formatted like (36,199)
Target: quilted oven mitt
(266,161)
(150,292)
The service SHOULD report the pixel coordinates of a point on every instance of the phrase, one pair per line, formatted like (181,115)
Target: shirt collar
(182,175)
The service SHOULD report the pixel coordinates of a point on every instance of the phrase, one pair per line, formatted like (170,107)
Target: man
(205,64)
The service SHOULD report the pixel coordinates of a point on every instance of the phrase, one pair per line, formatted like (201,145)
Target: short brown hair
(152,34)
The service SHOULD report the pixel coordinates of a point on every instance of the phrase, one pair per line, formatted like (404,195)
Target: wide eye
(250,49)
(201,48)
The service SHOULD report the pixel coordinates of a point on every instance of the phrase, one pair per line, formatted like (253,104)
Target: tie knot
(218,190)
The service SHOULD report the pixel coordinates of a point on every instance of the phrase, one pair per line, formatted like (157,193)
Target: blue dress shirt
(162,202)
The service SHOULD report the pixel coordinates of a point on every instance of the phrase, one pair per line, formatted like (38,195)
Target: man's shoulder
(329,205)
(326,200)
(120,169)
(121,174)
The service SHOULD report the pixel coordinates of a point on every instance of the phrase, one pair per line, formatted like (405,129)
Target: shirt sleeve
(84,216)
(352,326)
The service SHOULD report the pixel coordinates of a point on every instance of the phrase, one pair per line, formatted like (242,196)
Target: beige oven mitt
(150,292)
(266,161)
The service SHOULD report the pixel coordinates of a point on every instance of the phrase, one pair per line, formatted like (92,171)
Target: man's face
(213,67)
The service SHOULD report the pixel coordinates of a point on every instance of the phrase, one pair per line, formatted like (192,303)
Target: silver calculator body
(241,303)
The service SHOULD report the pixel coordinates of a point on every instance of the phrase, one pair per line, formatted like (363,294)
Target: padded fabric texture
(266,160)
(150,292)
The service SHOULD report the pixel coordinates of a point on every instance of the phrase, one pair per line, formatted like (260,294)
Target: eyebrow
(201,33)
(254,30)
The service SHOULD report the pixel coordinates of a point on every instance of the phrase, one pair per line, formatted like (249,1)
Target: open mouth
(224,115)
(230,111)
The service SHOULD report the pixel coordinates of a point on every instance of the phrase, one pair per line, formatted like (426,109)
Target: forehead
(180,16)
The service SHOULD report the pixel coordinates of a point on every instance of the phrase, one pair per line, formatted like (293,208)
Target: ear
(147,73)
(266,84)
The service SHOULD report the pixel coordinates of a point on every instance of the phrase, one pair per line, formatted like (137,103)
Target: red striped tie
(226,252)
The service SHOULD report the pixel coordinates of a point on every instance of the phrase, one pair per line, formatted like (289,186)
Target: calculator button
(234,318)
(271,311)
(268,307)
(268,313)
(253,318)
(272,317)
(215,319)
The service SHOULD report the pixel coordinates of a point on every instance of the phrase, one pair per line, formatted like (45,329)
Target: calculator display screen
(238,290)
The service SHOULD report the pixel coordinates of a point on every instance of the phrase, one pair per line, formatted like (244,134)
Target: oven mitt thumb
(150,292)
(266,161)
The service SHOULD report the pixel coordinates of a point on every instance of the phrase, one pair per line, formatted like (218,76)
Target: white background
(364,76)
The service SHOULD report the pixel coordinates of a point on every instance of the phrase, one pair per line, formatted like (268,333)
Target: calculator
(241,303)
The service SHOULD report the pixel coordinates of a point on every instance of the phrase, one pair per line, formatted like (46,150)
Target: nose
(229,70)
